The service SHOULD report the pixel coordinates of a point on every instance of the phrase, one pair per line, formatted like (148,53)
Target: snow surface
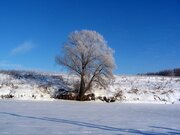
(24,85)
(94,118)
(147,89)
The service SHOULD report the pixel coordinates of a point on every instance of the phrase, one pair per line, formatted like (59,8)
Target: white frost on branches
(87,54)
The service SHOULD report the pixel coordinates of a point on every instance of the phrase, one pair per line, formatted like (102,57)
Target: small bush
(72,95)
(7,96)
(107,99)
(119,95)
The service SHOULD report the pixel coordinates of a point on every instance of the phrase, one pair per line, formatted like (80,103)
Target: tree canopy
(86,54)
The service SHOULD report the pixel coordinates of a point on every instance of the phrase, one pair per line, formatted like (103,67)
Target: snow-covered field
(44,115)
(148,89)
(93,118)
(23,85)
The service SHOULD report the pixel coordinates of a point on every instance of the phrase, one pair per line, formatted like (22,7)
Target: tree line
(169,72)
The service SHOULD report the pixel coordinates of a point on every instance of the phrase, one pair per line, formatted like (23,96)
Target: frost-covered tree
(86,54)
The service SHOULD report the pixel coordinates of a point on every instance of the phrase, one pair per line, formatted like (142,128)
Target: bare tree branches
(86,54)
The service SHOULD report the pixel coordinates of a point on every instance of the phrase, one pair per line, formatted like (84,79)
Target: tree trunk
(82,89)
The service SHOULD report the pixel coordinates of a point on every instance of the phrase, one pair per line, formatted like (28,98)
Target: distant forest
(170,72)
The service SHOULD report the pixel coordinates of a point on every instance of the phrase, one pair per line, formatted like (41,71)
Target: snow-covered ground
(135,89)
(93,118)
(147,89)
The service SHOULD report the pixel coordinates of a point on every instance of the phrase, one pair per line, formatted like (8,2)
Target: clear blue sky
(144,34)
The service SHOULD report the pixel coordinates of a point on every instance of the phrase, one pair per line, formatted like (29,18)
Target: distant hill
(169,72)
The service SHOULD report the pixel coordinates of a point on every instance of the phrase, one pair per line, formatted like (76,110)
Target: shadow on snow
(101,127)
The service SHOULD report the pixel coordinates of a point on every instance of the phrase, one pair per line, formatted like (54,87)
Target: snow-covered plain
(44,115)
(26,85)
(93,118)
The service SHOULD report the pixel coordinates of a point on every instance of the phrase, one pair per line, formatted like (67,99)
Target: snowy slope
(91,118)
(42,86)
(145,88)
(30,85)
